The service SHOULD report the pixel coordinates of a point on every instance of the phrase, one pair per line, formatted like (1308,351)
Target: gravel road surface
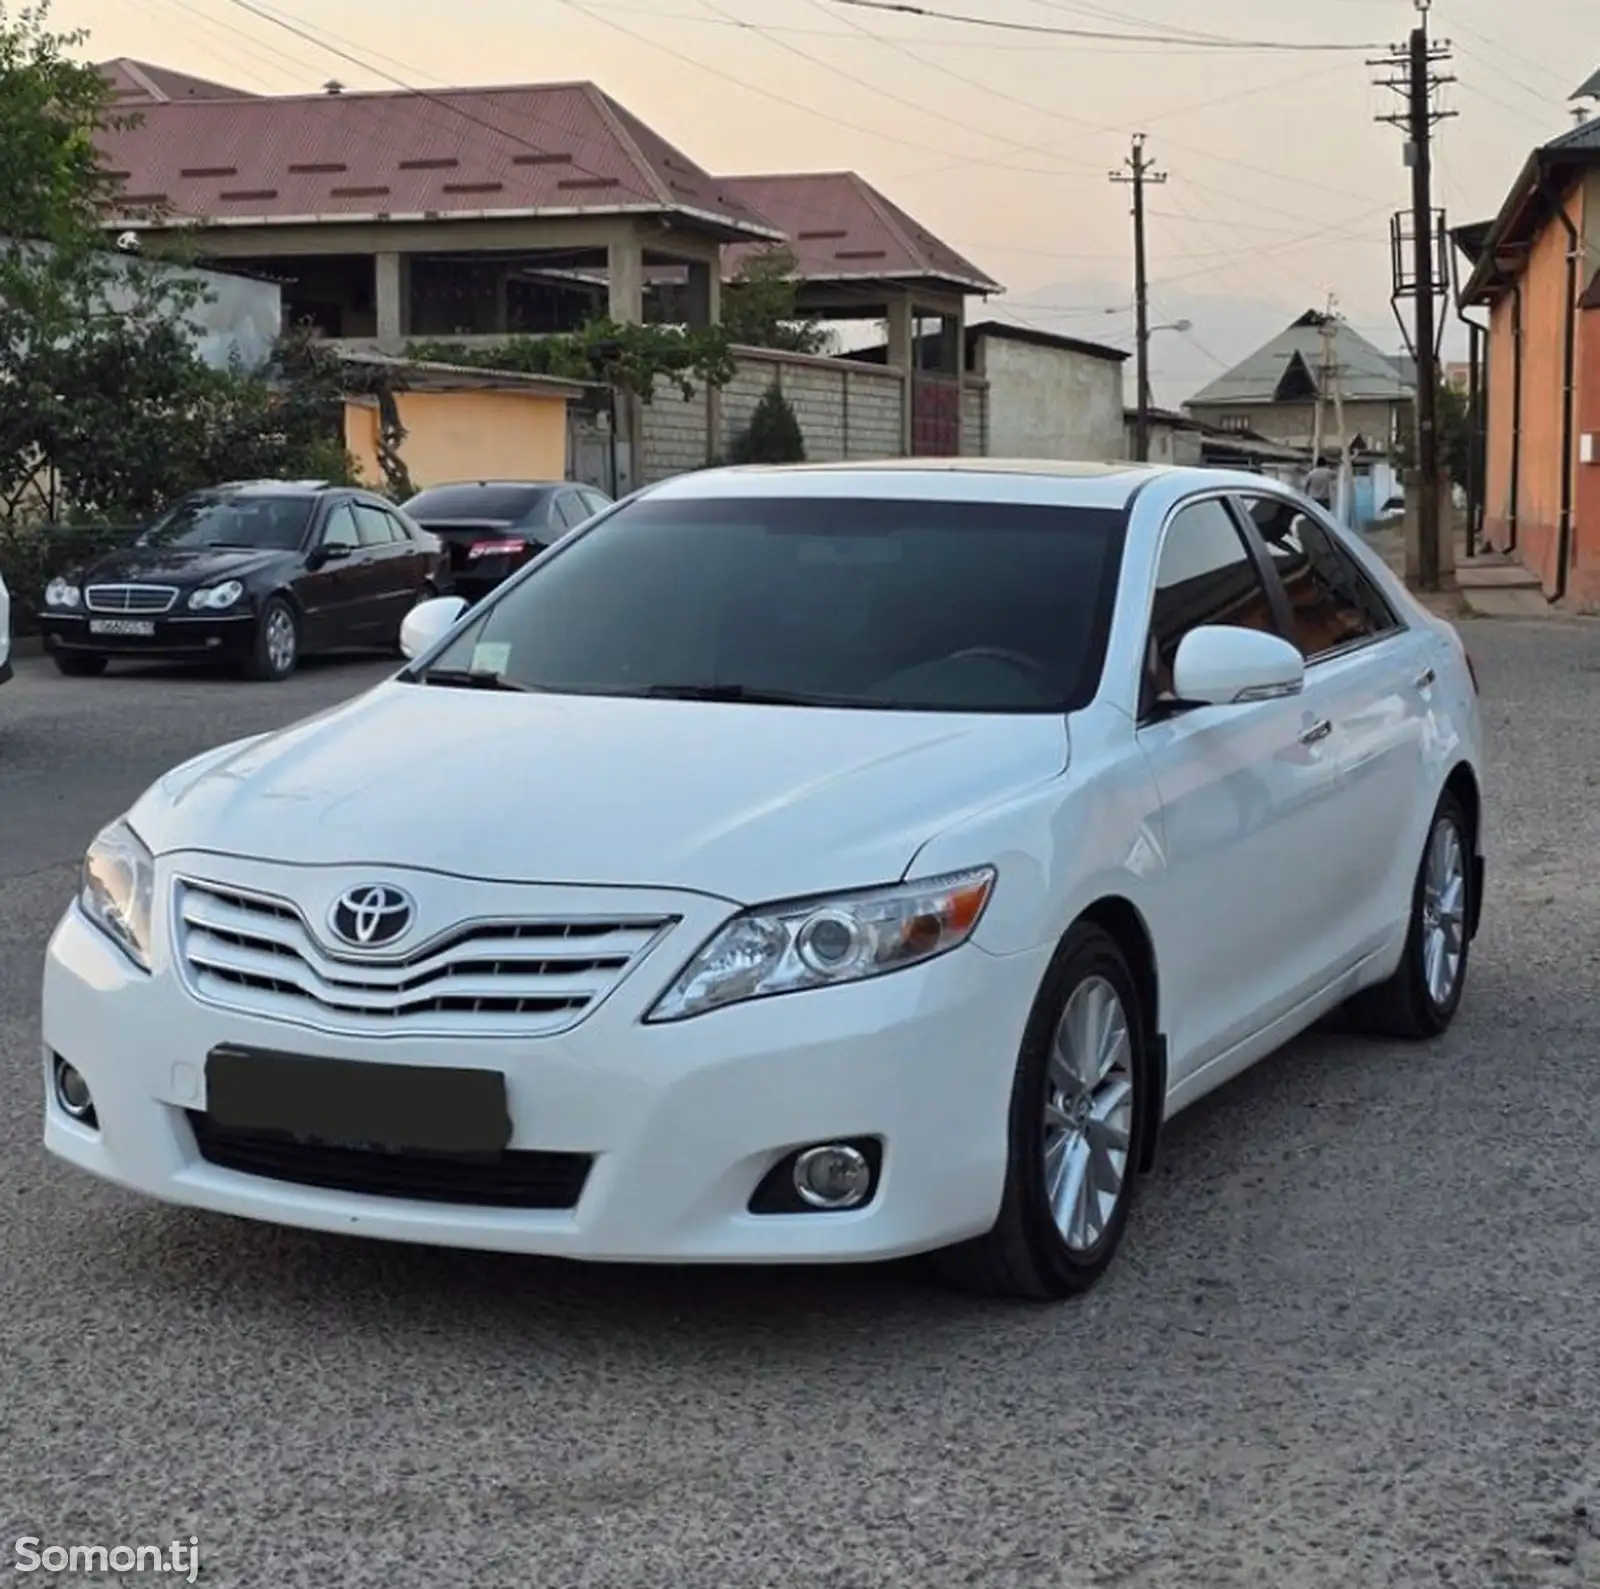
(1351,1341)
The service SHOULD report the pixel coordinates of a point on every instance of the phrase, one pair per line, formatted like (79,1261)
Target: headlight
(820,942)
(217,597)
(62,593)
(116,890)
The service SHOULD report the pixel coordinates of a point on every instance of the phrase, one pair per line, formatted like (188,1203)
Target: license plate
(353,1104)
(126,626)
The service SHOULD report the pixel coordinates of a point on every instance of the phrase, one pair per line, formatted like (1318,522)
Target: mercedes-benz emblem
(372,915)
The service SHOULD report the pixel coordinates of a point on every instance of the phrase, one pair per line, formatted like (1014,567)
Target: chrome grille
(257,955)
(144,599)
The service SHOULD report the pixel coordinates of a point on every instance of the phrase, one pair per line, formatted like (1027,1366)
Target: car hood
(748,803)
(176,566)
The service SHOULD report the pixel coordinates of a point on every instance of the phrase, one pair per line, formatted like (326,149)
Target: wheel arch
(1463,785)
(1121,919)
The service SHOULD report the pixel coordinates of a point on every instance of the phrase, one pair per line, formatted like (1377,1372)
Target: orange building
(1536,269)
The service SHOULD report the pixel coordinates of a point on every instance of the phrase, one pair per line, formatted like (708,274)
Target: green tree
(1453,418)
(773,434)
(759,307)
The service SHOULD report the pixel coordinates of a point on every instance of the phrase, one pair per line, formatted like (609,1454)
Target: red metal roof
(841,228)
(565,148)
(140,83)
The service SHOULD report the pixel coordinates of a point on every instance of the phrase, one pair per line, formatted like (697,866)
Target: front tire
(277,644)
(1421,999)
(1078,1109)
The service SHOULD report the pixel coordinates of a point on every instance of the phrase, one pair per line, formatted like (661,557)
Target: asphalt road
(1351,1341)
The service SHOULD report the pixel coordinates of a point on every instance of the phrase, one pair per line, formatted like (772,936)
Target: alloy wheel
(1088,1115)
(1444,911)
(280,639)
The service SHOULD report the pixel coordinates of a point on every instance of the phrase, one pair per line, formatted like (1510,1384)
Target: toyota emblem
(373,915)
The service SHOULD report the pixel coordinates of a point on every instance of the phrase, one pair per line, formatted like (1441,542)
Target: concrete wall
(1530,525)
(1051,402)
(1169,446)
(237,319)
(846,410)
(1295,423)
(482,435)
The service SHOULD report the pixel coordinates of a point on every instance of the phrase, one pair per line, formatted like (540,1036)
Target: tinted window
(375,526)
(232,519)
(1334,604)
(1206,576)
(595,501)
(509,503)
(567,511)
(915,605)
(340,529)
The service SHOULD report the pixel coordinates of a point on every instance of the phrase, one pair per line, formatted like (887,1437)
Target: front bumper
(683,1120)
(224,637)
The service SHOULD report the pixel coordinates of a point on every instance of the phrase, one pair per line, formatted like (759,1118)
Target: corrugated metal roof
(1365,373)
(564,147)
(140,83)
(1582,137)
(841,228)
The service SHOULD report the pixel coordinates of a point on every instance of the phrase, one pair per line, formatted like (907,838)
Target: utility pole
(1417,61)
(1140,174)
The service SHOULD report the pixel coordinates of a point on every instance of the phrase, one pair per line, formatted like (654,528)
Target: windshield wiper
(471,679)
(739,693)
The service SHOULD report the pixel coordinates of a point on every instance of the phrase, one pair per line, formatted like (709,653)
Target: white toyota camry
(792,865)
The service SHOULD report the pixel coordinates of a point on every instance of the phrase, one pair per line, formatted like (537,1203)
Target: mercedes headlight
(62,593)
(217,598)
(821,942)
(116,890)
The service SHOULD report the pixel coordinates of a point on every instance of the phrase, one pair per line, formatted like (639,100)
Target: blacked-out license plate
(144,628)
(354,1104)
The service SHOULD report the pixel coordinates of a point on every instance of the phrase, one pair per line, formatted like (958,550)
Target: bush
(31,555)
(773,434)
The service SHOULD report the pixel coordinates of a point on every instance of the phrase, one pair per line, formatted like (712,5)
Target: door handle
(1427,680)
(1316,733)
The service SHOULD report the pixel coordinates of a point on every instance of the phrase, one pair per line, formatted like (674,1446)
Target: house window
(1236,424)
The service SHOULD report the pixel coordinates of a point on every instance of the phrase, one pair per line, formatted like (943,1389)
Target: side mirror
(330,552)
(1222,666)
(428,622)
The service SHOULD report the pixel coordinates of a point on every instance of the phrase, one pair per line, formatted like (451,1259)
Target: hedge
(31,555)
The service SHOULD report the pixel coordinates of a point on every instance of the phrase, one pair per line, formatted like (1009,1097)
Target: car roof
(1091,485)
(497,485)
(271,488)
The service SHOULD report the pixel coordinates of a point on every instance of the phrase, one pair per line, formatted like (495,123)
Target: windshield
(266,522)
(892,605)
(476,502)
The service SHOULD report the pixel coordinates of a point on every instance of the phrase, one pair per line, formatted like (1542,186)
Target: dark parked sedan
(256,573)
(490,528)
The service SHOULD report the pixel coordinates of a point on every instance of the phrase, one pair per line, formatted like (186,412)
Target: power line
(1197,42)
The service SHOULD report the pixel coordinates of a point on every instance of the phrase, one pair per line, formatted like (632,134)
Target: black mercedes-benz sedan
(254,573)
(490,528)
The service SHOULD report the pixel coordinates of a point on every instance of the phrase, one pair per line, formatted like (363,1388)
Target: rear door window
(1333,602)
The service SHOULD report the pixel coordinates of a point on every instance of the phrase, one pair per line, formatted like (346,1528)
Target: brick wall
(845,409)
(975,420)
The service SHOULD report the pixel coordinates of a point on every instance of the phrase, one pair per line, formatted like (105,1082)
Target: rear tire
(79,665)
(1421,999)
(1078,1109)
(277,643)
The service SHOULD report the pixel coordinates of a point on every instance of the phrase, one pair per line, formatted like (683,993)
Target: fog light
(836,1176)
(72,1092)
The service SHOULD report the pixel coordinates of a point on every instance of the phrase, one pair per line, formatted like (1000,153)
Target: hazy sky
(1280,181)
